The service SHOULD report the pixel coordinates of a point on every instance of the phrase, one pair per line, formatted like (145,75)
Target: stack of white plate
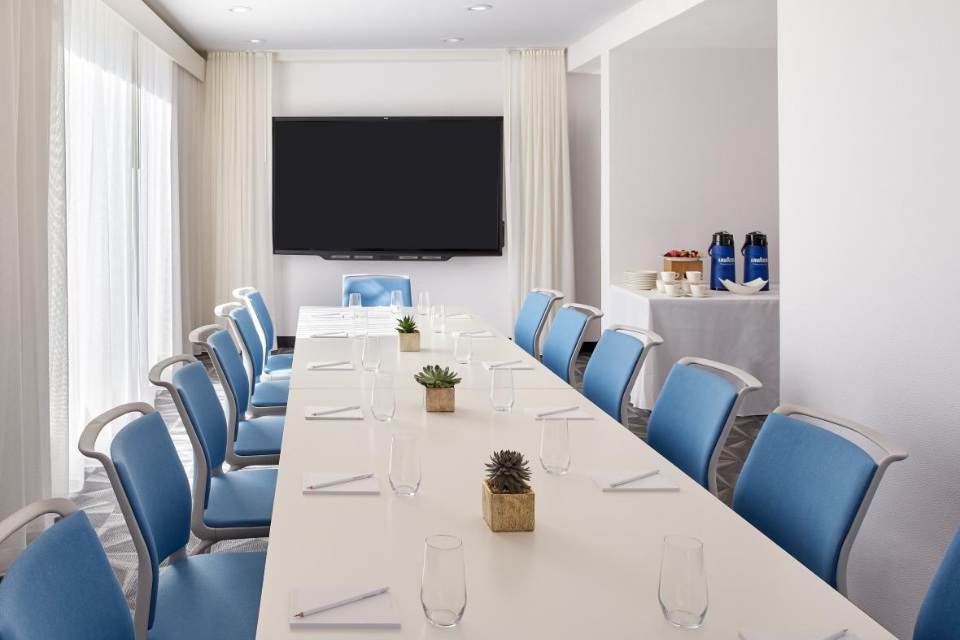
(640,279)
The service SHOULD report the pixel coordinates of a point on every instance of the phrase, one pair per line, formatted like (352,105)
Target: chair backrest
(217,343)
(694,413)
(808,488)
(939,615)
(374,289)
(254,301)
(533,315)
(614,366)
(153,492)
(245,337)
(61,585)
(563,343)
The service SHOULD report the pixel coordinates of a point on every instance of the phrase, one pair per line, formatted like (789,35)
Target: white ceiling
(716,24)
(207,25)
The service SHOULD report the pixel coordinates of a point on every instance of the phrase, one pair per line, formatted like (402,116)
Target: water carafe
(756,262)
(723,263)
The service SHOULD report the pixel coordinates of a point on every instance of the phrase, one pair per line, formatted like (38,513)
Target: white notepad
(458,316)
(573,414)
(351,414)
(493,364)
(330,334)
(367,486)
(478,334)
(378,612)
(328,365)
(656,482)
(781,634)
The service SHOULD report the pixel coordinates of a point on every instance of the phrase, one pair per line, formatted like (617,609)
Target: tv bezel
(386,254)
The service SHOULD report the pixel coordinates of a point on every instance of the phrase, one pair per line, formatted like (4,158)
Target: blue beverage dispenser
(756,261)
(723,263)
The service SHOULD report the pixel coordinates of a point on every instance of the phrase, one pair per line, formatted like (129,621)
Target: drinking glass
(501,389)
(683,584)
(443,585)
(370,354)
(396,302)
(383,403)
(354,303)
(404,472)
(439,319)
(423,303)
(360,321)
(555,446)
(462,347)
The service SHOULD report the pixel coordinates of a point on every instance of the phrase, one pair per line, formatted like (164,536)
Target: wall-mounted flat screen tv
(388,188)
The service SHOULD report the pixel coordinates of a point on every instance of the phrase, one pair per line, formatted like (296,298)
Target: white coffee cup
(660,286)
(669,276)
(672,288)
(698,289)
(694,276)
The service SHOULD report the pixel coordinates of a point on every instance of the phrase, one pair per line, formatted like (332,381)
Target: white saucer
(675,295)
(706,295)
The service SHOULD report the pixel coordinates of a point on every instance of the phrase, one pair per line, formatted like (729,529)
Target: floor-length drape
(237,246)
(26,59)
(538,203)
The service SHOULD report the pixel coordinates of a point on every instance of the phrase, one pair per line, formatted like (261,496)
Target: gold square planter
(508,511)
(409,341)
(439,399)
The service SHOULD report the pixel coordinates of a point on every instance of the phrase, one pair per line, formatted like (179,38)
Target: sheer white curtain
(26,47)
(539,213)
(237,245)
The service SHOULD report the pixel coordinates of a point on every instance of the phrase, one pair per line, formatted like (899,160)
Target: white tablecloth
(743,331)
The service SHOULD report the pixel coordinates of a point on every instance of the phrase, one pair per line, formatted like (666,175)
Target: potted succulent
(409,336)
(508,500)
(439,385)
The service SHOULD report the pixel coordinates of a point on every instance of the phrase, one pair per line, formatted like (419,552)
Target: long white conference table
(589,570)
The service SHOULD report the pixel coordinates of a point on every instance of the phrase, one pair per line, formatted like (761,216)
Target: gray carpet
(99,501)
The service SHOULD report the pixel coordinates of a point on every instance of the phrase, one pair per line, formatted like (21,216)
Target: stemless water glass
(404,471)
(555,446)
(383,403)
(501,389)
(423,303)
(439,319)
(360,321)
(370,354)
(354,303)
(462,347)
(443,584)
(683,584)
(396,302)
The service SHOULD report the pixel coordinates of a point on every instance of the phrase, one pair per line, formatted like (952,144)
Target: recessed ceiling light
(452,40)
(240,9)
(256,40)
(478,7)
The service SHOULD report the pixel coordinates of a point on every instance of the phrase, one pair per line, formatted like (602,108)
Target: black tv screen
(383,188)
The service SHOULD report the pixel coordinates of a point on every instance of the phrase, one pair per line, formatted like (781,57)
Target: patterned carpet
(98,500)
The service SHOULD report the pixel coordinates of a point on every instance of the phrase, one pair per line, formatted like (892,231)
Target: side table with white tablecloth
(743,331)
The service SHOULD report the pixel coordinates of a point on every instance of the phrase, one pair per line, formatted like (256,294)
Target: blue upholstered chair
(61,585)
(807,487)
(375,289)
(563,343)
(204,597)
(260,365)
(533,315)
(266,398)
(238,504)
(694,413)
(274,366)
(614,366)
(939,617)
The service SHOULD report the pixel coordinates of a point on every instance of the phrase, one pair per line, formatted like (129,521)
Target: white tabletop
(739,330)
(591,567)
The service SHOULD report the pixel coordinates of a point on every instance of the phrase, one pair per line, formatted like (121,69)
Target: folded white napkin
(329,365)
(656,482)
(458,316)
(573,414)
(365,486)
(349,414)
(792,634)
(380,611)
(494,364)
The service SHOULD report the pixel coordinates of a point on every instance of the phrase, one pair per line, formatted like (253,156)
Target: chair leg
(204,547)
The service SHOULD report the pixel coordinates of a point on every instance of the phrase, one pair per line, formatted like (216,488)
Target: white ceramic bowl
(746,289)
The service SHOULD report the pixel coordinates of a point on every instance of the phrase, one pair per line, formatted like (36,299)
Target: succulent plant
(406,324)
(434,377)
(508,472)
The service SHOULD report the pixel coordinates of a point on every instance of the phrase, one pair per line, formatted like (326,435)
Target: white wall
(693,151)
(870,186)
(583,114)
(402,88)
